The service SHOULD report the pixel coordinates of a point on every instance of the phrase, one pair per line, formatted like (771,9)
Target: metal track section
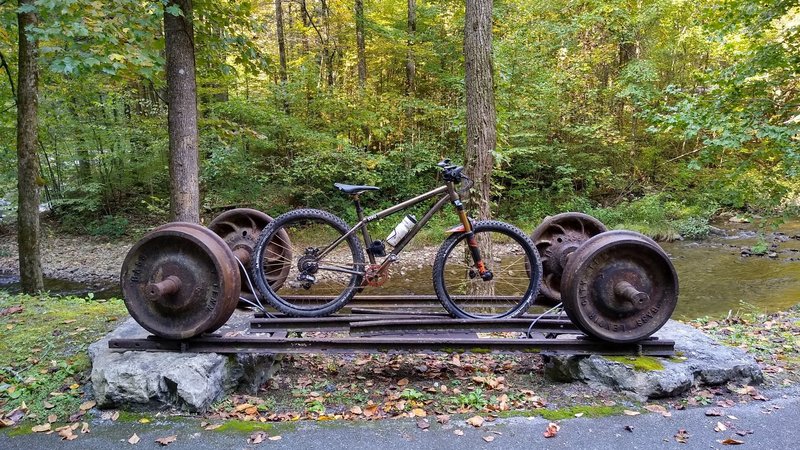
(436,344)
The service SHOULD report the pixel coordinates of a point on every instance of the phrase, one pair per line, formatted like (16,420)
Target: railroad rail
(398,332)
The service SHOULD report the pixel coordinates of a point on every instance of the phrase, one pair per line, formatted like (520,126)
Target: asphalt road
(775,424)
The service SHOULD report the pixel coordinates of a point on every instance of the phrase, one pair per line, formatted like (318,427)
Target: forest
(650,114)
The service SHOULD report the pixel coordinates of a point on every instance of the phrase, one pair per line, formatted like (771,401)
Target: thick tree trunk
(182,115)
(411,64)
(481,116)
(30,263)
(362,57)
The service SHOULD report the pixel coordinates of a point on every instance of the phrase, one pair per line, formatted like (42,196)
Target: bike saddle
(353,189)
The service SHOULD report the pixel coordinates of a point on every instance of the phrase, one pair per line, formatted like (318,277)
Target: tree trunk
(182,115)
(281,53)
(362,57)
(281,39)
(28,178)
(481,116)
(411,64)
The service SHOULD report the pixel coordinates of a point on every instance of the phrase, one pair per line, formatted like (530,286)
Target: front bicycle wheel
(510,256)
(315,285)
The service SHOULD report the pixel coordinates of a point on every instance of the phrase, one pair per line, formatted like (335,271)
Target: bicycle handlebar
(452,172)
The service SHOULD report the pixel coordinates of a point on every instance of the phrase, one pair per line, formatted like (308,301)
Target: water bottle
(401,230)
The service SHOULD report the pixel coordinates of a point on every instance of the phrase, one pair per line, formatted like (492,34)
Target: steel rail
(436,344)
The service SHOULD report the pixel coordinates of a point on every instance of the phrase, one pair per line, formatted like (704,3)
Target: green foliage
(473,399)
(651,114)
(46,360)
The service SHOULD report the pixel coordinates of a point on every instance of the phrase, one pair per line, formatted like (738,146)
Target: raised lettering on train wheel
(619,286)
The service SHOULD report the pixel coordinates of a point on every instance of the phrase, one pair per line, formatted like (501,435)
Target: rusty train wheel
(619,286)
(240,229)
(180,280)
(556,238)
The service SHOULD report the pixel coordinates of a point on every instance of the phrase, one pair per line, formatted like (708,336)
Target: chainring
(374,277)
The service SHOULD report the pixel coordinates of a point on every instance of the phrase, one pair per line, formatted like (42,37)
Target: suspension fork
(472,241)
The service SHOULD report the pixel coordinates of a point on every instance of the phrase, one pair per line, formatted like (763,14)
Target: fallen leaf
(257,437)
(658,409)
(579,415)
(244,406)
(144,420)
(713,412)
(731,441)
(552,430)
(628,412)
(371,410)
(67,434)
(52,418)
(133,440)
(402,382)
(167,440)
(68,321)
(682,436)
(443,419)
(48,405)
(419,412)
(11,310)
(488,438)
(744,432)
(41,428)
(85,428)
(115,416)
(356,410)
(475,421)
(423,424)
(629,428)
(458,432)
(212,426)
(720,427)
(275,438)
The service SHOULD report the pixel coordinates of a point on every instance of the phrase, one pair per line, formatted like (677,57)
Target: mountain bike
(484,269)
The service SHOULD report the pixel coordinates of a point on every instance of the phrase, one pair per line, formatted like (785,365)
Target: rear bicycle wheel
(511,257)
(314,286)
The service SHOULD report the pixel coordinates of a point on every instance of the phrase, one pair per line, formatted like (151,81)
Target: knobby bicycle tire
(310,227)
(514,262)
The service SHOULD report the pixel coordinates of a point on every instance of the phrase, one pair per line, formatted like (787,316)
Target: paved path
(775,425)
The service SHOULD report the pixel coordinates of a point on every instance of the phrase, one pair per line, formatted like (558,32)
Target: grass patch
(638,363)
(584,411)
(43,358)
(244,426)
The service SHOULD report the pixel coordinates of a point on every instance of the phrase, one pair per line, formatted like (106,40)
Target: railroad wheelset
(619,286)
(180,280)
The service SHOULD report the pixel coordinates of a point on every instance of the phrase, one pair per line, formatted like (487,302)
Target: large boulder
(190,381)
(699,360)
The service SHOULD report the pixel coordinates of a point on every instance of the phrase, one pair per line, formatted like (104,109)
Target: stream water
(714,277)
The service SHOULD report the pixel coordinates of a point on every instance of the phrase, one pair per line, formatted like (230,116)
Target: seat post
(364,231)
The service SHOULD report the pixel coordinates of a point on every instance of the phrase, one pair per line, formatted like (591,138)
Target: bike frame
(447,191)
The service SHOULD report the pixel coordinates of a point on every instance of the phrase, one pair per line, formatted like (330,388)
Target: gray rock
(191,381)
(700,361)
